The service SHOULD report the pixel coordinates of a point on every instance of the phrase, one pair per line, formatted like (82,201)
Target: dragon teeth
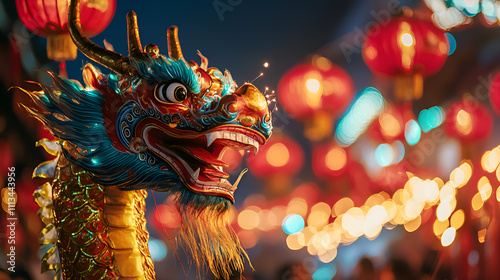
(211,137)
(238,137)
(196,174)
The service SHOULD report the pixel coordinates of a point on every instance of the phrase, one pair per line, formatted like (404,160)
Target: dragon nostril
(247,120)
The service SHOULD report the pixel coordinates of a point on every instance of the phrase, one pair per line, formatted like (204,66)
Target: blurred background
(384,159)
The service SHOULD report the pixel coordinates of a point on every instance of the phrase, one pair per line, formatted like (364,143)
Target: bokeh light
(431,118)
(458,219)
(342,205)
(384,155)
(481,235)
(448,237)
(325,272)
(278,155)
(336,158)
(469,7)
(451,42)
(362,112)
(293,224)
(157,249)
(412,132)
(248,219)
(407,39)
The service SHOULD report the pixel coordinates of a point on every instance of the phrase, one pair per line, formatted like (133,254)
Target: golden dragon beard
(211,241)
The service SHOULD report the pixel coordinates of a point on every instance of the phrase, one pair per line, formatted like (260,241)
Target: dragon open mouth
(197,157)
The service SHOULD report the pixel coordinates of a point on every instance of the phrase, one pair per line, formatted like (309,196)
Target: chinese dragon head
(156,122)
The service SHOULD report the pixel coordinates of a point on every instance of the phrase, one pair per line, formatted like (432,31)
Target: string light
(406,207)
(260,75)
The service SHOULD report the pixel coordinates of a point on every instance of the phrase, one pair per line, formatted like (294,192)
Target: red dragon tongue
(202,155)
(214,173)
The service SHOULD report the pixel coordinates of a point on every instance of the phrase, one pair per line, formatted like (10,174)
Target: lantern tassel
(60,47)
(409,87)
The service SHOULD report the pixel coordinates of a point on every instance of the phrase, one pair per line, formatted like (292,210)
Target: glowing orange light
(477,202)
(248,219)
(389,125)
(413,225)
(457,219)
(328,256)
(341,206)
(336,158)
(464,122)
(292,241)
(278,155)
(297,206)
(440,226)
(481,235)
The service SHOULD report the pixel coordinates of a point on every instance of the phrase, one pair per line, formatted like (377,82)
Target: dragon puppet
(155,122)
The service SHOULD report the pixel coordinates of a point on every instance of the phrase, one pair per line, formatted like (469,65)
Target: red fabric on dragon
(156,122)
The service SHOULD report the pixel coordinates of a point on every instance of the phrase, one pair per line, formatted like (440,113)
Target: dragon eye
(173,92)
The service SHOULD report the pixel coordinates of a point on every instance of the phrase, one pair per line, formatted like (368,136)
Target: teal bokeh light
(451,42)
(325,272)
(157,249)
(431,118)
(384,155)
(362,112)
(412,132)
(293,224)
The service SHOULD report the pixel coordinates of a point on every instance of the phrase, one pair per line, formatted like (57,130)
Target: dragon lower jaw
(198,160)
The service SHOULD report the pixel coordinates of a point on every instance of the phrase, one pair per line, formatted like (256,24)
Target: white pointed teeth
(196,174)
(237,137)
(211,137)
(255,150)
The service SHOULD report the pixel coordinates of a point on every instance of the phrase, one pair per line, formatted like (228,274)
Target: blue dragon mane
(164,69)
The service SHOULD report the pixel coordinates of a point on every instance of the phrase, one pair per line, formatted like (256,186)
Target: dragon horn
(110,59)
(134,41)
(174,47)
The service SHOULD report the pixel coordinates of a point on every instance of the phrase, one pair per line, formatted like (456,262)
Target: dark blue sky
(240,37)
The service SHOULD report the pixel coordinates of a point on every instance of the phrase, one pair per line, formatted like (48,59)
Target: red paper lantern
(408,49)
(494,93)
(468,120)
(49,18)
(329,161)
(316,93)
(312,87)
(281,156)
